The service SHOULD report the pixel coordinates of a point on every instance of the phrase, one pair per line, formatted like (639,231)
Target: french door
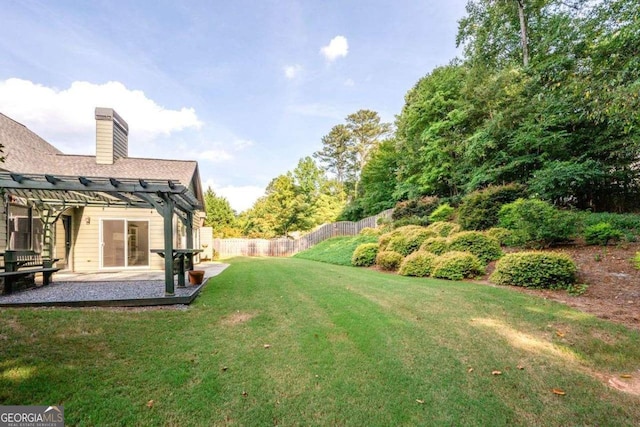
(124,243)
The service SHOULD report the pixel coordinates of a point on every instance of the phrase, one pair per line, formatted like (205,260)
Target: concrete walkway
(114,289)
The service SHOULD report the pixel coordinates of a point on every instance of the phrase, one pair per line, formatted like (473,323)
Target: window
(25,229)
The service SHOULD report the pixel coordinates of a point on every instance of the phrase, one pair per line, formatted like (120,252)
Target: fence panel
(281,247)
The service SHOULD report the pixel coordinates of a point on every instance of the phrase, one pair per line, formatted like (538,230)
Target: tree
(286,205)
(432,132)
(220,216)
(378,181)
(366,133)
(498,33)
(337,153)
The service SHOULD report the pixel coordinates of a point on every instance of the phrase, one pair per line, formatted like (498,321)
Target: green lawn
(336,250)
(348,346)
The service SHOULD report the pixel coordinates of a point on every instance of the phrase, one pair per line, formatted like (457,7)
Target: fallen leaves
(420,401)
(267,346)
(150,403)
(470,370)
(558,391)
(496,372)
(626,376)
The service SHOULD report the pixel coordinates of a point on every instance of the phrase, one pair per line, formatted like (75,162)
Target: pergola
(51,195)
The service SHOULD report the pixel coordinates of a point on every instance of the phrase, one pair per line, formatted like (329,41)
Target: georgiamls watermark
(31,416)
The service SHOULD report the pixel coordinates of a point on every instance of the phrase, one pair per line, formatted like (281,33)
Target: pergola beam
(52,194)
(50,182)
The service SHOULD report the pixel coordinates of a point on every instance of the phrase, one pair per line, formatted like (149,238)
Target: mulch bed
(614,282)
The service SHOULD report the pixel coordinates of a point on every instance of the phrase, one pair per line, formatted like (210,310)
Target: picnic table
(180,256)
(33,263)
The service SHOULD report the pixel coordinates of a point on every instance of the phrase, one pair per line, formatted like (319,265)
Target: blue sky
(247,88)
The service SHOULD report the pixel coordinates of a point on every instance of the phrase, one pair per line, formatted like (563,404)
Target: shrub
(415,208)
(369,231)
(484,247)
(537,222)
(444,212)
(479,210)
(535,270)
(435,245)
(502,235)
(636,261)
(457,265)
(601,234)
(389,260)
(418,264)
(399,244)
(628,224)
(385,238)
(411,220)
(443,228)
(365,255)
(408,240)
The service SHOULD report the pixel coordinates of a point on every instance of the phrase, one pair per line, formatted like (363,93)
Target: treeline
(566,124)
(547,95)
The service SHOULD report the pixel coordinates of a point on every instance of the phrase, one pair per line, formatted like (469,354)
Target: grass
(337,250)
(348,346)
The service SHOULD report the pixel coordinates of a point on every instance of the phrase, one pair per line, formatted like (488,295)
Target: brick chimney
(111,136)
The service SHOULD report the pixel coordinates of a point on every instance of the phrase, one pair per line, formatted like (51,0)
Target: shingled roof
(26,152)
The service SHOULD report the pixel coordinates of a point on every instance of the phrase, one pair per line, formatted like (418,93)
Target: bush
(435,245)
(369,231)
(365,255)
(636,261)
(502,235)
(443,228)
(628,224)
(419,264)
(389,260)
(411,220)
(601,234)
(408,240)
(421,208)
(484,247)
(457,265)
(444,212)
(537,222)
(535,270)
(479,210)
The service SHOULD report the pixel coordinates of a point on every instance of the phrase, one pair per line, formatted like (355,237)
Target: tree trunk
(523,33)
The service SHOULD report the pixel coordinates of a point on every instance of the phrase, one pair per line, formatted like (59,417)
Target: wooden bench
(19,264)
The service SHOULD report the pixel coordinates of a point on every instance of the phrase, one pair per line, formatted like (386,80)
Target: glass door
(113,249)
(137,243)
(125,243)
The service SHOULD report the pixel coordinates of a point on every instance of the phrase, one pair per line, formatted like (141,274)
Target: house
(109,214)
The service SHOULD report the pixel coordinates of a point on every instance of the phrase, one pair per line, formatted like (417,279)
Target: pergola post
(167,216)
(189,226)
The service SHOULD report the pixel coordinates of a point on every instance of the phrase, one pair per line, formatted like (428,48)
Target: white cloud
(66,117)
(349,83)
(292,71)
(336,48)
(240,197)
